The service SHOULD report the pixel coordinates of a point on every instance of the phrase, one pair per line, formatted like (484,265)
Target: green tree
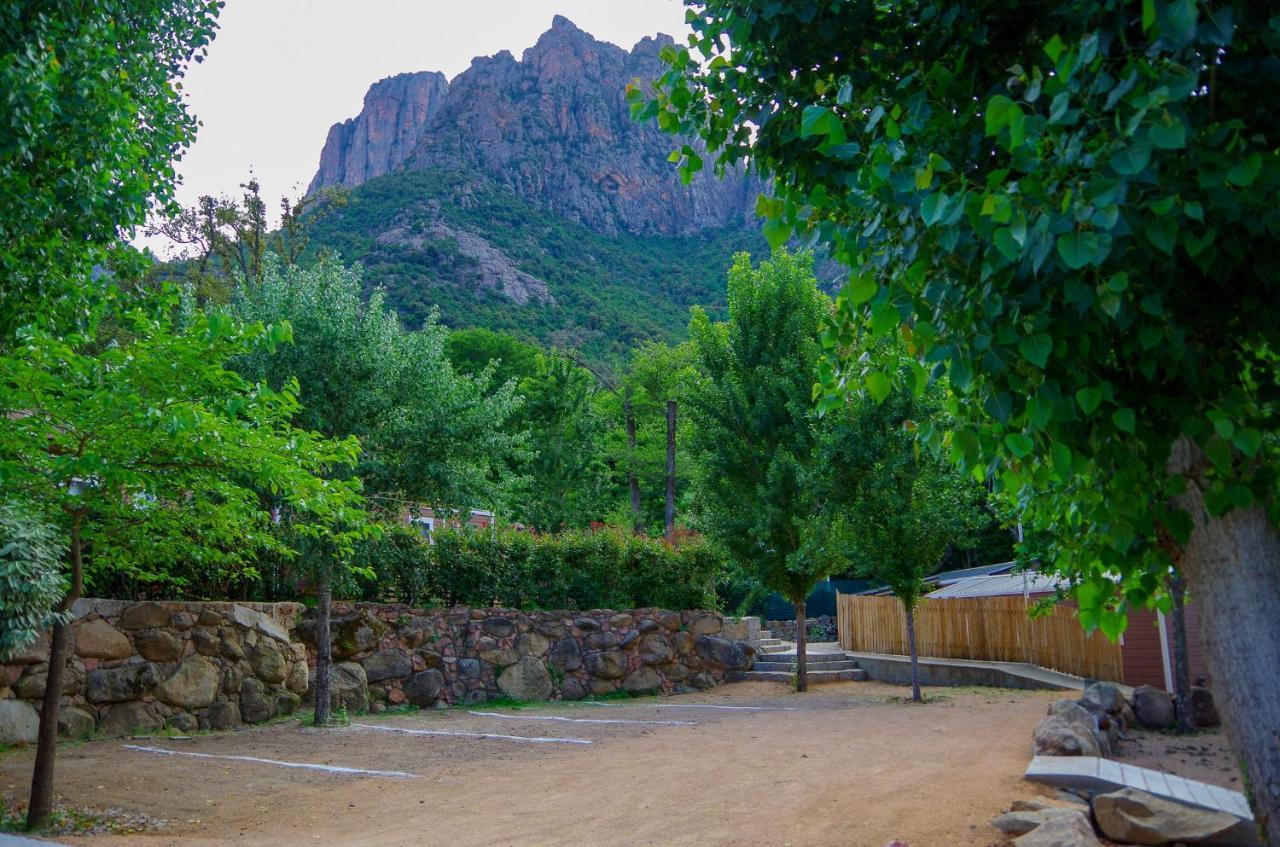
(756,432)
(93,119)
(146,447)
(897,507)
(431,436)
(31,581)
(1069,209)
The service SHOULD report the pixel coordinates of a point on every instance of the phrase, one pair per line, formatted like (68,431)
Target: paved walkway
(19,841)
(1095,775)
(1017,674)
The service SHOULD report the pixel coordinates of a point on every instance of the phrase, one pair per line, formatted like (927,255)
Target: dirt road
(847,764)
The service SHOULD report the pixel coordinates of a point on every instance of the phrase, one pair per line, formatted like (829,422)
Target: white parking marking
(461,734)
(578,720)
(256,760)
(697,706)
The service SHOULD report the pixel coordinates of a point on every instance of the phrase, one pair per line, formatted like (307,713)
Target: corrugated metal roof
(950,577)
(1001,585)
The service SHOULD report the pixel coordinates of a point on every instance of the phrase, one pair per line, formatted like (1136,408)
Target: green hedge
(606,569)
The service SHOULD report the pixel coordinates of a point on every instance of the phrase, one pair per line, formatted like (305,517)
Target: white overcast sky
(281,72)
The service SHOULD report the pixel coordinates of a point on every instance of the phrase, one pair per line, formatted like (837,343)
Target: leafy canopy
(755,430)
(135,427)
(1067,208)
(93,120)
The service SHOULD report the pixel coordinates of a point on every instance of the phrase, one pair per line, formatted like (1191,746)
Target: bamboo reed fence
(984,628)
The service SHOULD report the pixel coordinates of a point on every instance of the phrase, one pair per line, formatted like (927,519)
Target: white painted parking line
(303,765)
(697,706)
(578,720)
(461,734)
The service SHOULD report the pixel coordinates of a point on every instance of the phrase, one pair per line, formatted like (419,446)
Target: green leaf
(1089,399)
(1078,249)
(878,386)
(1168,134)
(884,318)
(1245,171)
(1247,440)
(1036,349)
(813,120)
(1124,420)
(1061,457)
(1148,14)
(1000,111)
(1007,245)
(1131,160)
(861,288)
(933,207)
(776,232)
(1053,49)
(1019,444)
(1163,233)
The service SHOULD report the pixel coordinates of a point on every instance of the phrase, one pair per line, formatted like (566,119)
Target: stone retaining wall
(820,628)
(147,665)
(143,666)
(432,658)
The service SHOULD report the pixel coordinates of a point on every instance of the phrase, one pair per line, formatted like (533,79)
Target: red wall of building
(1143,661)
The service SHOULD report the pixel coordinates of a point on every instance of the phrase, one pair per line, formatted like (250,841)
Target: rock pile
(1124,817)
(1095,723)
(146,666)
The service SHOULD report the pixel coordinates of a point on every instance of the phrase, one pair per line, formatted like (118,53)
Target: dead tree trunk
(1181,665)
(915,660)
(637,520)
(41,802)
(1232,567)
(802,639)
(669,515)
(324,647)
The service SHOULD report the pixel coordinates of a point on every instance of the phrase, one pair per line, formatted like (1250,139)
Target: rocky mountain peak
(554,127)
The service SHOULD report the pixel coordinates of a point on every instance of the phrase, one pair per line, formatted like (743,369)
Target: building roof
(950,577)
(1000,585)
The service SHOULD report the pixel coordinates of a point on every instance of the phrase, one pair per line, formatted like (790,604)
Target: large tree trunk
(915,661)
(669,515)
(802,639)
(1232,567)
(1181,666)
(637,519)
(324,657)
(41,802)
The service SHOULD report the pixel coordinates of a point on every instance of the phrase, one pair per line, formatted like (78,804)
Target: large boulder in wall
(1058,736)
(527,679)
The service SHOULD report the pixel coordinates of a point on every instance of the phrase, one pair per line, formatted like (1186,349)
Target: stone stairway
(779,666)
(769,644)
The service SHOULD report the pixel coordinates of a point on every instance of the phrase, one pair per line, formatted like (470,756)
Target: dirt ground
(847,764)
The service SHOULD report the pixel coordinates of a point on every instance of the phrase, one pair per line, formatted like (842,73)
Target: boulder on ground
(97,639)
(1152,707)
(1070,829)
(183,722)
(423,689)
(643,679)
(1020,822)
(1136,817)
(1203,710)
(19,722)
(1103,698)
(527,679)
(223,714)
(192,686)
(1058,736)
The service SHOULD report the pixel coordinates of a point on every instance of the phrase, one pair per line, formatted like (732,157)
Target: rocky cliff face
(554,127)
(385,132)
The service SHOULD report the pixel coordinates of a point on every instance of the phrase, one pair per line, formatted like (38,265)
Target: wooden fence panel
(982,628)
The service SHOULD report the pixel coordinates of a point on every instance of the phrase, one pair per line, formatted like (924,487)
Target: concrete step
(773,648)
(855,675)
(769,665)
(765,633)
(769,642)
(811,659)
